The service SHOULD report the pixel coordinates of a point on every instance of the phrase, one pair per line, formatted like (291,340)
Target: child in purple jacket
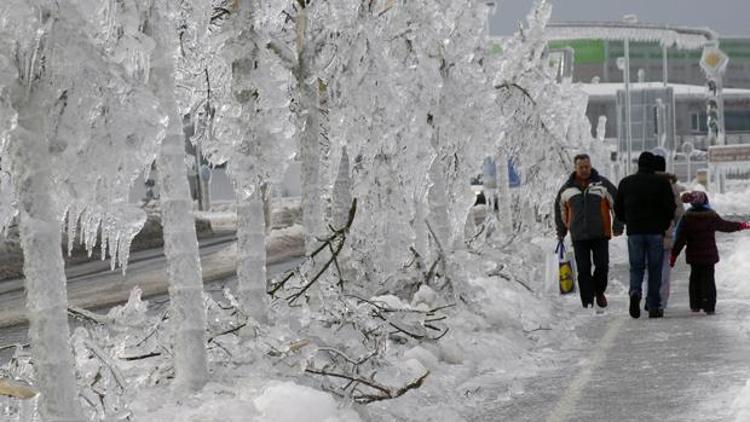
(696,230)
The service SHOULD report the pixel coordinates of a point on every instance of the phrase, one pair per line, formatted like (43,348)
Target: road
(93,286)
(684,367)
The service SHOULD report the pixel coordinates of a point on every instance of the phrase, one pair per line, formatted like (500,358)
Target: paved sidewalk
(684,367)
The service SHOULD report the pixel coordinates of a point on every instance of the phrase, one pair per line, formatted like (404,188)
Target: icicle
(72,224)
(342,192)
(438,203)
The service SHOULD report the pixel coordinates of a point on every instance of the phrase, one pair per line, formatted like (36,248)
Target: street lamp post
(687,149)
(631,19)
(623,63)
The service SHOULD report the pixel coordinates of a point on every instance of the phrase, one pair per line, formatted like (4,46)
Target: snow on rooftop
(606,90)
(669,36)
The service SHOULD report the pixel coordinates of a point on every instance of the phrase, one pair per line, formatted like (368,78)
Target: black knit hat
(660,164)
(646,161)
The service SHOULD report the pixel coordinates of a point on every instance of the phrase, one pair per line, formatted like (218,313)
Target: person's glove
(672,260)
(745,225)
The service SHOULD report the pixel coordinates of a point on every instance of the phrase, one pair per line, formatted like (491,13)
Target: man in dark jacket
(584,207)
(645,202)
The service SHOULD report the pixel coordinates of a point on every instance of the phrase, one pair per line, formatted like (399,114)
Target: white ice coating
(187,313)
(310,118)
(84,122)
(342,192)
(8,205)
(545,121)
(95,163)
(47,301)
(121,139)
(681,38)
(408,95)
(251,132)
(251,258)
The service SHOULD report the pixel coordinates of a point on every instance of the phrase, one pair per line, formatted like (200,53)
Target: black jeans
(702,288)
(591,284)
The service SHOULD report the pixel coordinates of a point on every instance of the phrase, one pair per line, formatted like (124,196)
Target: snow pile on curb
(732,271)
(742,404)
(499,337)
(247,402)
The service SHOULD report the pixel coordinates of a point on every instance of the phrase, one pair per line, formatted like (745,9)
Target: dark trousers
(591,284)
(646,251)
(702,287)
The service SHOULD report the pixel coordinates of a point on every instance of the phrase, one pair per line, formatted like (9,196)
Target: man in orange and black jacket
(585,207)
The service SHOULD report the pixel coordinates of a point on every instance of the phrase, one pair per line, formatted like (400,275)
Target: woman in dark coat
(697,230)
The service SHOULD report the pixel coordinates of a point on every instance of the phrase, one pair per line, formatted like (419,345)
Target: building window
(737,120)
(698,122)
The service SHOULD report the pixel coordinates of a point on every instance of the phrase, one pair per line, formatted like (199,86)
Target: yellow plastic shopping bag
(566,270)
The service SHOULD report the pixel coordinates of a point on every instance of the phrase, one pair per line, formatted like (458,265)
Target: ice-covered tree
(364,120)
(543,120)
(449,41)
(73,111)
(252,132)
(188,315)
(305,49)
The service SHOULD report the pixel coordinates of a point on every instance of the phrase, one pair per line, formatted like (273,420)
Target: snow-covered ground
(732,271)
(513,326)
(507,333)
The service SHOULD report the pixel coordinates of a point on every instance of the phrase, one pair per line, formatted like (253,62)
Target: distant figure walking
(585,207)
(660,168)
(697,230)
(645,203)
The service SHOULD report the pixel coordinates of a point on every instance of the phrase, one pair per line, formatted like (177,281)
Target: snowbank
(742,404)
(731,203)
(247,402)
(732,271)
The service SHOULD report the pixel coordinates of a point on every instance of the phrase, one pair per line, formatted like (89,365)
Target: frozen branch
(283,51)
(383,392)
(339,238)
(119,378)
(83,314)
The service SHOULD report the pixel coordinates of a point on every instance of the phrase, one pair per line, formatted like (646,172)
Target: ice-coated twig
(355,362)
(81,313)
(339,237)
(229,331)
(11,346)
(119,378)
(140,357)
(383,392)
(154,329)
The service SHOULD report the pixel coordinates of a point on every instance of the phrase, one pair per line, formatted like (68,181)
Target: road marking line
(567,403)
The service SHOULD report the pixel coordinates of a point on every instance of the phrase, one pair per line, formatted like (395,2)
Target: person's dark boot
(601,300)
(656,313)
(635,306)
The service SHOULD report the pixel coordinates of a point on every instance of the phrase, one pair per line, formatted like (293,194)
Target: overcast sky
(727,17)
